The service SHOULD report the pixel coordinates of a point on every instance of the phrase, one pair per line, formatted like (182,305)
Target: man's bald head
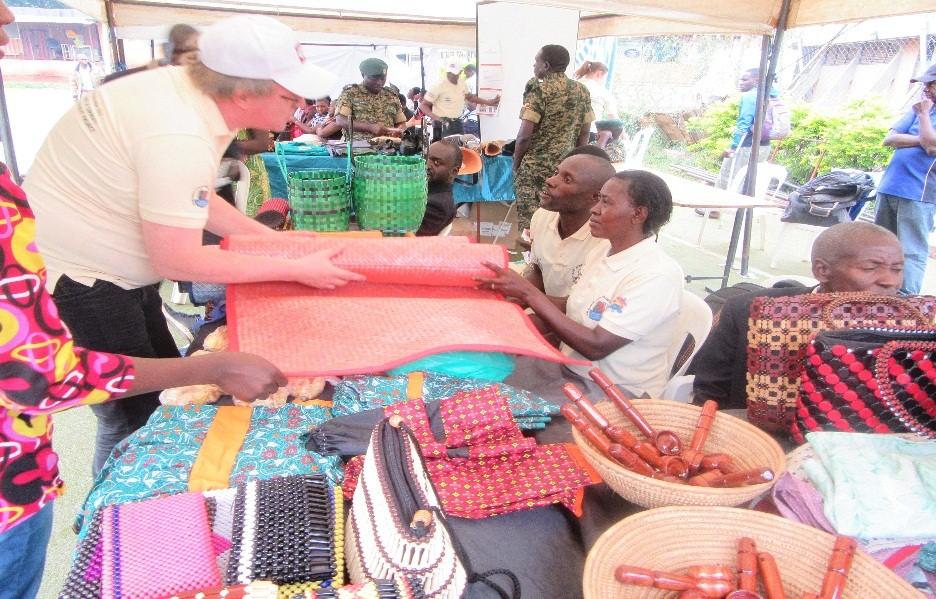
(575,186)
(858,256)
(845,239)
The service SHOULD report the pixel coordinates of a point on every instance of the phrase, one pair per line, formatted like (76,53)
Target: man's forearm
(901,140)
(211,264)
(224,219)
(360,126)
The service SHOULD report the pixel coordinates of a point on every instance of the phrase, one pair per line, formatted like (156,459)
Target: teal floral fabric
(157,459)
(359,393)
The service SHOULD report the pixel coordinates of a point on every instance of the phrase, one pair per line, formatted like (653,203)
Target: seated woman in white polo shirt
(622,313)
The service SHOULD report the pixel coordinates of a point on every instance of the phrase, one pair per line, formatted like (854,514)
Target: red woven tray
(419,299)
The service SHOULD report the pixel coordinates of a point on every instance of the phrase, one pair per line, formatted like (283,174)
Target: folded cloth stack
(889,491)
(359,393)
(484,466)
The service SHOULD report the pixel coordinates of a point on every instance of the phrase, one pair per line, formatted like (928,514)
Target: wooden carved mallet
(666,442)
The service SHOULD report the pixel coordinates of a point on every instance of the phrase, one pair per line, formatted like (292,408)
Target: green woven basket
(389,193)
(319,200)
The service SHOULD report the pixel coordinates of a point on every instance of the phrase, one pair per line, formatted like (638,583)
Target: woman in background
(592,75)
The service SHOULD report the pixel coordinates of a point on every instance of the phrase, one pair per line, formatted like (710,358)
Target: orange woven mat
(419,299)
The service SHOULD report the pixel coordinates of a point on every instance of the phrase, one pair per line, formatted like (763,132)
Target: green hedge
(848,137)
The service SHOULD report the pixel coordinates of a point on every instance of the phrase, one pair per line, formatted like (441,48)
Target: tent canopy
(452,23)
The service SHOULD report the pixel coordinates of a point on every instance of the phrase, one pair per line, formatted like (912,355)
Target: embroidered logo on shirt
(200,197)
(603,304)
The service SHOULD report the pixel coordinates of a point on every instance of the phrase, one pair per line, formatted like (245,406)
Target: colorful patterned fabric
(779,332)
(485,466)
(359,393)
(41,371)
(157,459)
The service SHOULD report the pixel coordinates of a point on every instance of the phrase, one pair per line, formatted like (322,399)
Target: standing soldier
(374,109)
(555,118)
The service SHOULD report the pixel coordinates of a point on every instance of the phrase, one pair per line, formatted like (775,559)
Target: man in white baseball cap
(123,188)
(445,102)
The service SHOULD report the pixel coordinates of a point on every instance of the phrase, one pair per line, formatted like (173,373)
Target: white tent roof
(452,22)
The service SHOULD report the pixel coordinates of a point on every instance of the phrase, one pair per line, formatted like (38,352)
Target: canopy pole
(6,136)
(117,49)
(422,70)
(770,56)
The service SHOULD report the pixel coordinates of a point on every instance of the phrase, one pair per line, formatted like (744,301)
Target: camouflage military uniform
(383,108)
(559,107)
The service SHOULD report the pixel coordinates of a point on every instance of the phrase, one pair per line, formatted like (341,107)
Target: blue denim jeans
(106,318)
(911,222)
(23,554)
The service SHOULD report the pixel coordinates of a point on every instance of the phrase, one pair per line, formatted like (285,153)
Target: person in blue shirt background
(740,151)
(907,194)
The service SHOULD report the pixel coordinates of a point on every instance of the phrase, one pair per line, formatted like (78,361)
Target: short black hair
(456,151)
(557,57)
(326,98)
(651,192)
(589,150)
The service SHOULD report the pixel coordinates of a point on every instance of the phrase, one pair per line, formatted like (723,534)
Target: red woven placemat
(419,299)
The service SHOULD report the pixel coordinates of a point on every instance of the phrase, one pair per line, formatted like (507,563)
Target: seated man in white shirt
(562,239)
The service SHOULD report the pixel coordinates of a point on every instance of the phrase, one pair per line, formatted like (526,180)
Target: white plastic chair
(783,241)
(695,322)
(638,147)
(241,185)
(769,176)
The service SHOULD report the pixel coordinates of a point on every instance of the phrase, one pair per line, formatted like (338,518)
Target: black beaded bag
(869,380)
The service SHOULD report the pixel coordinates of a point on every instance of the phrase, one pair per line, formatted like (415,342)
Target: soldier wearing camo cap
(375,109)
(555,118)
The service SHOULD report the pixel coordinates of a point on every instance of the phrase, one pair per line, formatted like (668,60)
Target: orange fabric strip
(414,386)
(215,461)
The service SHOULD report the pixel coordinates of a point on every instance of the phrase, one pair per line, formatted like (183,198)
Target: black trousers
(106,318)
(446,126)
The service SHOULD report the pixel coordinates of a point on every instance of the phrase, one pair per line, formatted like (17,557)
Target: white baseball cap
(258,47)
(453,68)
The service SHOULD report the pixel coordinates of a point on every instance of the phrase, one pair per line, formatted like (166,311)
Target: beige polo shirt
(144,147)
(634,294)
(561,260)
(447,98)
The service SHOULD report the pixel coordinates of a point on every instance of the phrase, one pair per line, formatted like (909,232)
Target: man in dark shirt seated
(443,161)
(854,256)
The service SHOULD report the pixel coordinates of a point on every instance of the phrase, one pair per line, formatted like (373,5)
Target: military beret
(373,67)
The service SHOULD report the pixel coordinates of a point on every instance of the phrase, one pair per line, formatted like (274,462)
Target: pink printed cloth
(157,548)
(485,466)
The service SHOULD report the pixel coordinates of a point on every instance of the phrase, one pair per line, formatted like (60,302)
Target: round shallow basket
(389,193)
(319,200)
(674,538)
(749,446)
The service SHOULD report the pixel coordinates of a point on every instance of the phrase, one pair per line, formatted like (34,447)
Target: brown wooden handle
(704,426)
(770,576)
(623,404)
(747,564)
(588,408)
(843,552)
(715,478)
(653,578)
(594,436)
